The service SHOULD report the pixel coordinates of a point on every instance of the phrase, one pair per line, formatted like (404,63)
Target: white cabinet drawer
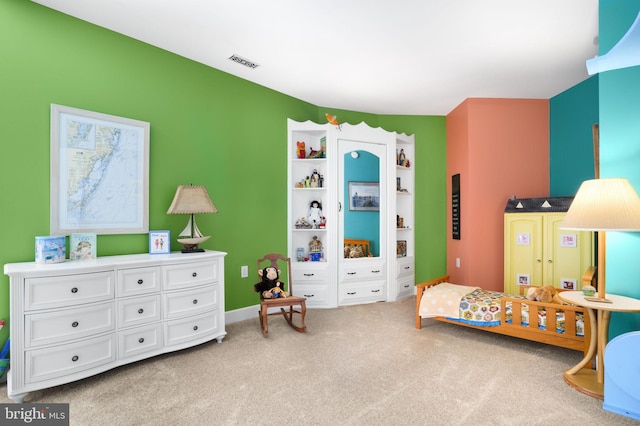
(68,290)
(138,310)
(69,324)
(371,291)
(190,274)
(190,302)
(303,275)
(366,271)
(315,294)
(406,286)
(192,328)
(139,340)
(63,360)
(406,266)
(136,281)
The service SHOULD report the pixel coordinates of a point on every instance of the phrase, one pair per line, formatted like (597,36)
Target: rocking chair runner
(282,302)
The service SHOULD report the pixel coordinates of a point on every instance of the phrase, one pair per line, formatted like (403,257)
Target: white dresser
(76,319)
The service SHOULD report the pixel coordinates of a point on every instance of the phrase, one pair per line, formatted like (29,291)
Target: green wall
(620,153)
(572,114)
(207,127)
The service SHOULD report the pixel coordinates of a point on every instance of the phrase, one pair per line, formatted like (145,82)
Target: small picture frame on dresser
(159,242)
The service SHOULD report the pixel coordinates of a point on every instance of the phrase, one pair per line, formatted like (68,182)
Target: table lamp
(603,205)
(191,200)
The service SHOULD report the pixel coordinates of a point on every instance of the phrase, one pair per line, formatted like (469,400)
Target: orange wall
(500,147)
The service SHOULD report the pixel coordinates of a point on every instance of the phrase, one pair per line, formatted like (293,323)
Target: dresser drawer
(139,340)
(371,291)
(138,310)
(136,281)
(190,274)
(192,328)
(68,324)
(304,275)
(64,360)
(356,272)
(406,286)
(190,302)
(406,267)
(317,295)
(68,290)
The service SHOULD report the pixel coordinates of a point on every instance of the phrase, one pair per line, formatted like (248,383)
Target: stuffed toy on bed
(545,294)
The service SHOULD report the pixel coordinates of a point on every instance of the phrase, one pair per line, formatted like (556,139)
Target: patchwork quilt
(482,308)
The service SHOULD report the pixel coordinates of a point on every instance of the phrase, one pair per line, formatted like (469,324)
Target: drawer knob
(75,358)
(309,275)
(376,272)
(74,290)
(195,274)
(74,324)
(195,328)
(309,295)
(406,286)
(351,293)
(140,281)
(195,301)
(141,340)
(375,291)
(407,267)
(140,310)
(351,273)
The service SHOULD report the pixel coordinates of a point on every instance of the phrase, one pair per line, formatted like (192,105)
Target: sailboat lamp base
(193,250)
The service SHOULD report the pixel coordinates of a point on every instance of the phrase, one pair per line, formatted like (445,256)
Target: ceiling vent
(243,61)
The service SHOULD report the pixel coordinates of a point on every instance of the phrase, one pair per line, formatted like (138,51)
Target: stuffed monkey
(270,287)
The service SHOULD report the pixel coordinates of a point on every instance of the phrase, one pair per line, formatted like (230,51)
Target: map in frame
(99,173)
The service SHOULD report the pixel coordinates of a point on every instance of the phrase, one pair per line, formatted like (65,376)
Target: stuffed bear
(545,294)
(270,286)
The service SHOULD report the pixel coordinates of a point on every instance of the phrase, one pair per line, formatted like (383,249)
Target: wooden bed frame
(363,244)
(569,339)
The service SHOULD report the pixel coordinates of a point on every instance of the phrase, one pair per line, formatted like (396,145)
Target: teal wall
(620,153)
(572,114)
(207,127)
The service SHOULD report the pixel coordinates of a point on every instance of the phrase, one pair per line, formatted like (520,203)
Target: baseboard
(241,314)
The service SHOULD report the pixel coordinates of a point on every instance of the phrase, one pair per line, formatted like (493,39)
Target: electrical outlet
(244,271)
(457,262)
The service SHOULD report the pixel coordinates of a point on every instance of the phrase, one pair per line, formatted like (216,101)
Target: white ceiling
(409,57)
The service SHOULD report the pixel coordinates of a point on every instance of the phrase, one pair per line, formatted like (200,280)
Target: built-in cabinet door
(523,247)
(569,254)
(538,252)
(363,213)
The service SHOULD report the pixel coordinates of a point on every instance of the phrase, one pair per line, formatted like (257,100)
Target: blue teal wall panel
(620,153)
(572,116)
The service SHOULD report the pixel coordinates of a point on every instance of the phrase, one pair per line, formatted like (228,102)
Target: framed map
(99,173)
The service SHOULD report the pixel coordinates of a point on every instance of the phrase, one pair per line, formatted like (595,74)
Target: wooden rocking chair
(282,303)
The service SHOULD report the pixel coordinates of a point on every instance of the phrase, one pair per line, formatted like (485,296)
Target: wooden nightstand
(581,377)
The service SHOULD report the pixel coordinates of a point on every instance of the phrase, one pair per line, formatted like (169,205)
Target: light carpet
(356,365)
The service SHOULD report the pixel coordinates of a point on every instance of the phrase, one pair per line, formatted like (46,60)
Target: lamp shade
(191,199)
(604,205)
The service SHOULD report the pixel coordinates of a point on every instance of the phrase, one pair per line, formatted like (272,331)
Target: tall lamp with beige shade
(191,200)
(600,205)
